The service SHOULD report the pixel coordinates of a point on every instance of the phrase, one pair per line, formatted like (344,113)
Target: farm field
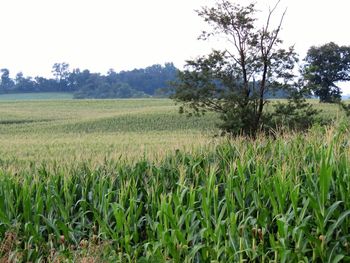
(67,131)
(36,96)
(134,181)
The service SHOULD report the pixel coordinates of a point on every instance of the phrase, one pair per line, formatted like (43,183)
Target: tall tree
(235,81)
(325,66)
(61,74)
(7,84)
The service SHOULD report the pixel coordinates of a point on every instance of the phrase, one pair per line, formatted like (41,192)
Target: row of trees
(324,66)
(236,81)
(84,84)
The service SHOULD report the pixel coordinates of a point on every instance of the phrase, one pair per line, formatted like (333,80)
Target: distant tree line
(137,83)
(324,66)
(142,82)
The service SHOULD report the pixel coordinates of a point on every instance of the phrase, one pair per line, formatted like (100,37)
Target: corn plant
(269,200)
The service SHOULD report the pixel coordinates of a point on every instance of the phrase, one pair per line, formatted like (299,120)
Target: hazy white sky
(127,34)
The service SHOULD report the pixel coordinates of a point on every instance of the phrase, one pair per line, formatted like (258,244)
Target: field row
(67,131)
(281,200)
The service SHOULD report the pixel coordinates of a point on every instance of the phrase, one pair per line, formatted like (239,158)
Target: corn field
(269,200)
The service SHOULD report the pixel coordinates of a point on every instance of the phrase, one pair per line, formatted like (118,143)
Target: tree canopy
(84,84)
(235,82)
(325,66)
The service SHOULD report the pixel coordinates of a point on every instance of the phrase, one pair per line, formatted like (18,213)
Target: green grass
(134,181)
(37,96)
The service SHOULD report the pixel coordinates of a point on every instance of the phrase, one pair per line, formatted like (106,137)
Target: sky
(127,34)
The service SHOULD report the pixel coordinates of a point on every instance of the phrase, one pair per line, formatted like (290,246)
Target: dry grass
(7,245)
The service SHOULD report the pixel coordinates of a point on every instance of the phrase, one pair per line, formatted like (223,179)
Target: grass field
(134,181)
(67,131)
(36,96)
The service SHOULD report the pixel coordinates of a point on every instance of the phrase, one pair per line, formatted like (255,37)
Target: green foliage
(238,120)
(125,84)
(326,65)
(97,89)
(281,200)
(61,73)
(7,83)
(297,114)
(345,107)
(237,81)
